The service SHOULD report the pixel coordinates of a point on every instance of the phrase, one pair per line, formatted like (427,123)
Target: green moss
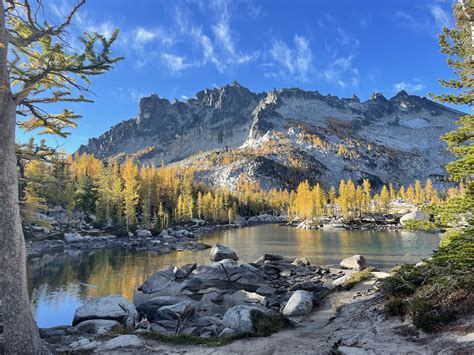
(358,277)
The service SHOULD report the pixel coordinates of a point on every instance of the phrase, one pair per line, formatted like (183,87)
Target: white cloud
(415,86)
(430,25)
(174,62)
(291,60)
(342,72)
(441,18)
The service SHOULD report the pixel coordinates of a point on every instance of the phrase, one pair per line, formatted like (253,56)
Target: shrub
(416,225)
(438,291)
(266,325)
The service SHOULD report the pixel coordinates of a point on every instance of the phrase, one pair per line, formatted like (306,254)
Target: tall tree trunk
(20,331)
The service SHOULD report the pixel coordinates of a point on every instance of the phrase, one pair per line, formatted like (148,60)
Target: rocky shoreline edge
(187,237)
(274,304)
(220,301)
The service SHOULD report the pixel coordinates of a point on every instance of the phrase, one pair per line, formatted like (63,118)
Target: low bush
(416,225)
(266,325)
(440,289)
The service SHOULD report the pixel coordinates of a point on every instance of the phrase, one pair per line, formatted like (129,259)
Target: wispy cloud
(415,86)
(175,63)
(341,69)
(430,25)
(342,72)
(292,59)
(440,16)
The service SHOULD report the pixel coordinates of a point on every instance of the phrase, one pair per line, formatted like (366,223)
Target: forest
(127,195)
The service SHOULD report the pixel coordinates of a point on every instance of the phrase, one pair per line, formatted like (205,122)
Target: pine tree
(457,44)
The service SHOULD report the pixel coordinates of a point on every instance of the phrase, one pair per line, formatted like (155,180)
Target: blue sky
(176,48)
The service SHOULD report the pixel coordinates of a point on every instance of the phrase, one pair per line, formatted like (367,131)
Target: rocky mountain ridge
(284,136)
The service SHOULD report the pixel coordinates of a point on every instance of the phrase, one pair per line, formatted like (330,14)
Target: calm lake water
(61,283)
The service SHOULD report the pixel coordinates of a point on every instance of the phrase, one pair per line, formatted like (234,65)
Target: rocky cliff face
(282,137)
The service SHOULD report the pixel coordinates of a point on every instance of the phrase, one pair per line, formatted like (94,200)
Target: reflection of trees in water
(121,270)
(111,271)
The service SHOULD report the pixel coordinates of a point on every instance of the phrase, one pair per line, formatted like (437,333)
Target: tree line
(128,195)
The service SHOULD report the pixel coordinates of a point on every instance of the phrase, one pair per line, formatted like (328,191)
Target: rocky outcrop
(355,262)
(415,215)
(239,319)
(381,137)
(299,304)
(220,252)
(113,307)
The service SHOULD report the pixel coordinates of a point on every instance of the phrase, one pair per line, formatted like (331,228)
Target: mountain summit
(284,136)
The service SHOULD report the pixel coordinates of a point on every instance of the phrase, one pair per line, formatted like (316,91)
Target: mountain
(285,136)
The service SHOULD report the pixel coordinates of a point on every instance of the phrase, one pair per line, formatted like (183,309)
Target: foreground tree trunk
(20,331)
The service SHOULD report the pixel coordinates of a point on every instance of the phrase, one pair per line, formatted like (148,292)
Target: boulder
(415,215)
(181,310)
(149,307)
(341,281)
(97,326)
(301,262)
(122,341)
(158,281)
(185,270)
(299,304)
(143,233)
(238,319)
(113,307)
(355,262)
(221,252)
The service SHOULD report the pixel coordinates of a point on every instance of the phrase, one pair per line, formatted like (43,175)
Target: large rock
(158,281)
(355,262)
(150,307)
(185,270)
(97,326)
(120,342)
(143,233)
(113,307)
(415,215)
(299,304)
(221,252)
(238,319)
(181,310)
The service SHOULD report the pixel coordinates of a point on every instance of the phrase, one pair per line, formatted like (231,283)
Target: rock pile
(218,299)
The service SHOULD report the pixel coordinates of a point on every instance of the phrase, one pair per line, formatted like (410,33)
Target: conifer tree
(130,192)
(384,199)
(367,195)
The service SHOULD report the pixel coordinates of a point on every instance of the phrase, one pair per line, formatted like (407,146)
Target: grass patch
(440,290)
(266,325)
(183,339)
(358,277)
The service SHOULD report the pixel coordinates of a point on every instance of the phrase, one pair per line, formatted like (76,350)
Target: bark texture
(20,331)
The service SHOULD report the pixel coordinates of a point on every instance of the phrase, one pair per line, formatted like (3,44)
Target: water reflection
(61,283)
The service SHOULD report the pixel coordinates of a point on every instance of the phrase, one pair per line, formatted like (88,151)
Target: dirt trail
(354,319)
